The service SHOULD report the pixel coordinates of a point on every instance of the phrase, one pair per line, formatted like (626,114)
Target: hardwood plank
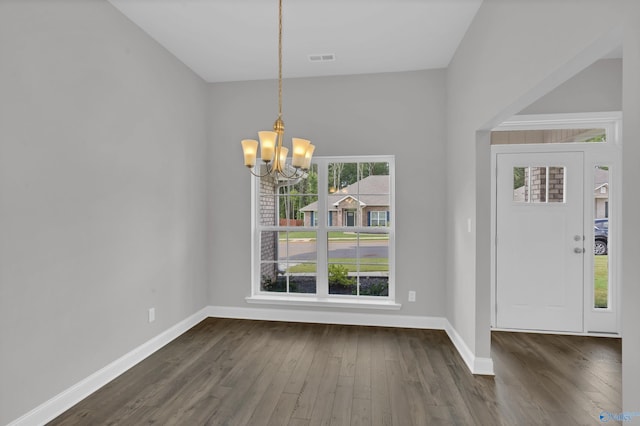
(282,413)
(308,394)
(241,372)
(361,412)
(380,396)
(299,374)
(362,381)
(400,408)
(323,407)
(299,337)
(341,411)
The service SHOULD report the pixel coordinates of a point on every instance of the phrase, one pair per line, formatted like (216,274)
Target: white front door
(540,241)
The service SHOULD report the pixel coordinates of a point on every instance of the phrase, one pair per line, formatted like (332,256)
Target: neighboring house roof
(601,177)
(370,191)
(350,197)
(518,194)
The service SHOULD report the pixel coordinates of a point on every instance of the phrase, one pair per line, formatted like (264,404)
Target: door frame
(610,153)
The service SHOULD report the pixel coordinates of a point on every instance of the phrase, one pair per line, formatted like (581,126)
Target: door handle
(578,250)
(578,237)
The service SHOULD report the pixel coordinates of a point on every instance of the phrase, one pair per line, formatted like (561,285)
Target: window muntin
(315,248)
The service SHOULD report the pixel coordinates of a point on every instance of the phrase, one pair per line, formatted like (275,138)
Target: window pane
(537,184)
(272,253)
(342,278)
(302,277)
(288,261)
(302,262)
(556,185)
(517,137)
(342,195)
(355,190)
(373,268)
(342,247)
(601,289)
(520,184)
(359,264)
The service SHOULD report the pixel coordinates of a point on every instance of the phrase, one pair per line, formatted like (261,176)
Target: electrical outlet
(152,314)
(412,296)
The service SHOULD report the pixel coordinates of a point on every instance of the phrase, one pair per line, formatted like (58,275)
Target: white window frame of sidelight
(322,298)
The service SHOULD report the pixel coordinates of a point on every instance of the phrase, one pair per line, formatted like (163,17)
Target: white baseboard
(560,333)
(477,365)
(57,405)
(52,408)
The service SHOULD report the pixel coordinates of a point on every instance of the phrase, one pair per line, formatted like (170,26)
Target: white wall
(397,113)
(595,89)
(102,194)
(504,63)
(631,212)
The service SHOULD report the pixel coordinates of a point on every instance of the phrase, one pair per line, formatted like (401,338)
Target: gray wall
(397,113)
(504,64)
(630,275)
(102,194)
(595,89)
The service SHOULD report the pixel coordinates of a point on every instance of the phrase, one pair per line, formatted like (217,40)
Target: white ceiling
(234,40)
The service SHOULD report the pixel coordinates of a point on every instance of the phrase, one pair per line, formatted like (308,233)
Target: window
(378,218)
(328,233)
(538,184)
(518,137)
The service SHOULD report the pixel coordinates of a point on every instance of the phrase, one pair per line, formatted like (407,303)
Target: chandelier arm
(269,171)
(297,173)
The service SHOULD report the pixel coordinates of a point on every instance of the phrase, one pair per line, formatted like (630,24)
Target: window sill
(325,302)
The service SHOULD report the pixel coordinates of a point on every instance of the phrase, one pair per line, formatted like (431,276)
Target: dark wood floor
(240,372)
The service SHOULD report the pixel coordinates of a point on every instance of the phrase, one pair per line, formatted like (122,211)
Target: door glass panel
(520,194)
(537,184)
(601,287)
(555,186)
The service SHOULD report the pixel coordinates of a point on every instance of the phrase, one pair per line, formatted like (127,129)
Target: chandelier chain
(280,59)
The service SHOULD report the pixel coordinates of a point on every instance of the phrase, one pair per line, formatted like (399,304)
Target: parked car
(601,236)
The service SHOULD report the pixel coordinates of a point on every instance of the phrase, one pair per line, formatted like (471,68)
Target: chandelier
(272,152)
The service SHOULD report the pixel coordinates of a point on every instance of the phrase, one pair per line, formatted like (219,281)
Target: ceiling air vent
(325,57)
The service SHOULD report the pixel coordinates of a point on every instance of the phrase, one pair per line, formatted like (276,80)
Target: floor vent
(325,57)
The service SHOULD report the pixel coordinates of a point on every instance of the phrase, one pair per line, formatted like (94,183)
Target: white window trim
(322,298)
